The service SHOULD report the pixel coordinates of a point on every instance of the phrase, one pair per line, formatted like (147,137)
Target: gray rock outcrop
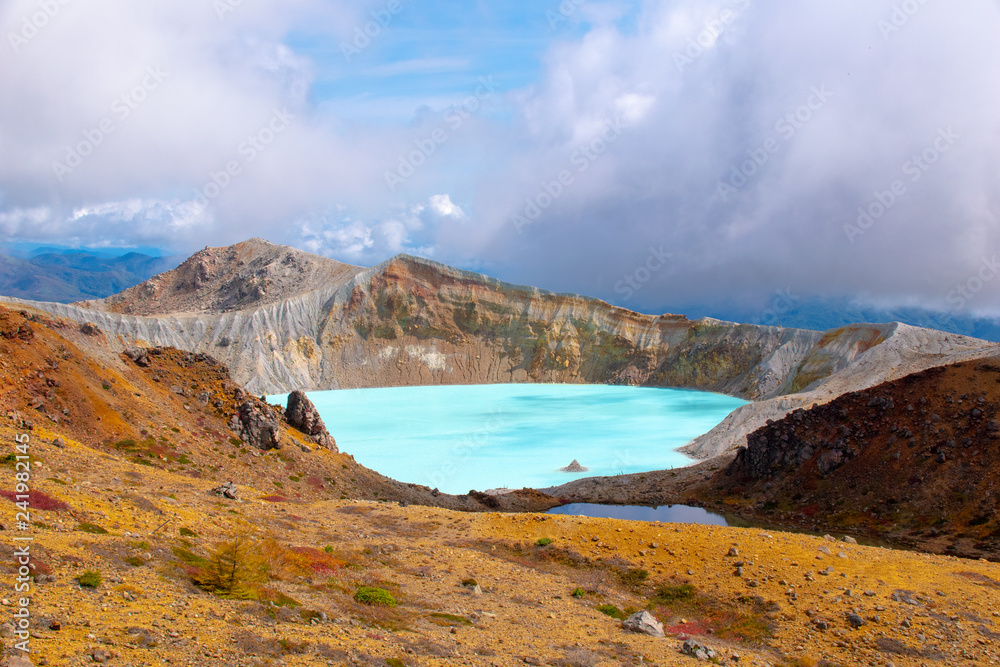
(301,414)
(645,623)
(255,423)
(226,490)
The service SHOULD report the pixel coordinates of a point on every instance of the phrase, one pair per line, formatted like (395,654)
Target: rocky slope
(916,459)
(323,325)
(127,453)
(180,412)
(217,280)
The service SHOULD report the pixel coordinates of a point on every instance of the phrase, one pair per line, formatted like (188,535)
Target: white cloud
(443,206)
(688,124)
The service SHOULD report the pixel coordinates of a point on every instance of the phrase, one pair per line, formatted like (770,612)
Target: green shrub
(470,582)
(578,592)
(612,611)
(374,596)
(89,579)
(187,532)
(543,542)
(91,528)
(235,442)
(449,620)
(665,595)
(328,549)
(633,577)
(188,557)
(135,561)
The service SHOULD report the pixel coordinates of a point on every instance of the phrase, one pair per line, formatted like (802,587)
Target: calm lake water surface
(458,438)
(663,514)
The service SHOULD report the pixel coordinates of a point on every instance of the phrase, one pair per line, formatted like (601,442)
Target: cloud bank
(665,153)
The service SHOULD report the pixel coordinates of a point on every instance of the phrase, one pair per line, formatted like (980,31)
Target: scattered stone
(855,621)
(643,622)
(829,538)
(734,552)
(89,329)
(100,655)
(825,550)
(139,355)
(697,650)
(227,490)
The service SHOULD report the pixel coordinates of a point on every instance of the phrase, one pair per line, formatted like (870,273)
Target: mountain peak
(245,275)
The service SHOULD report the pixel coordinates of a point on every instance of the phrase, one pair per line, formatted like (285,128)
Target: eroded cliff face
(411,321)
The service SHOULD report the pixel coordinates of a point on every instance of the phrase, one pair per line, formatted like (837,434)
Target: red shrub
(38,501)
(320,561)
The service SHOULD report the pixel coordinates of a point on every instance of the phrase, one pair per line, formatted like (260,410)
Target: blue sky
(430,55)
(655,153)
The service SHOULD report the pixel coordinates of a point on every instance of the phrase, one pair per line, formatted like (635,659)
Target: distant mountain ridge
(822,314)
(71,275)
(317,324)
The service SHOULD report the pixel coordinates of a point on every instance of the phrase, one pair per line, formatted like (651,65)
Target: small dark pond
(686,514)
(663,514)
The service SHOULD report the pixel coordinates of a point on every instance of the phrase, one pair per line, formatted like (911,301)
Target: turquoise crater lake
(457,438)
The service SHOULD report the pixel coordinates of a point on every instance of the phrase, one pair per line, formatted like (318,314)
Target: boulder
(227,490)
(301,414)
(139,355)
(643,622)
(257,428)
(697,650)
